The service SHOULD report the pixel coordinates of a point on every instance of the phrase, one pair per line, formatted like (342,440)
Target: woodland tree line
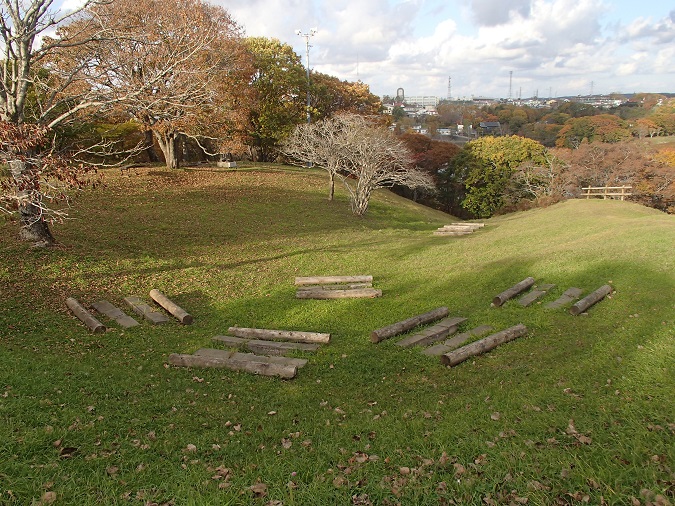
(118,82)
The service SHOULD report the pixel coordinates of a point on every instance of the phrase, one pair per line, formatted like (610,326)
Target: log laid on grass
(183,316)
(456,341)
(433,334)
(483,345)
(321,280)
(234,342)
(265,347)
(357,293)
(85,316)
(403,326)
(535,295)
(277,348)
(568,296)
(468,224)
(351,286)
(513,291)
(452,232)
(215,353)
(145,311)
(114,313)
(590,299)
(285,335)
(235,363)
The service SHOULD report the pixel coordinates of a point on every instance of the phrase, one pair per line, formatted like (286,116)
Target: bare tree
(321,144)
(365,155)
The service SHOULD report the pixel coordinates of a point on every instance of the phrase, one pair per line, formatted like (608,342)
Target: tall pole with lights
(306,36)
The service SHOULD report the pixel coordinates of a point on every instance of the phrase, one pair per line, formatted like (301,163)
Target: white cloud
(561,45)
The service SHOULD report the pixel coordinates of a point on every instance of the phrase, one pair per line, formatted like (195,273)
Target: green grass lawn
(579,411)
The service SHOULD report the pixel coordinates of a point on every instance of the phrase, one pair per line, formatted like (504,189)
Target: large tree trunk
(150,147)
(169,143)
(33,226)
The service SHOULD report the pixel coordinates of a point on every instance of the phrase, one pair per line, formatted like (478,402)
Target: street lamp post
(306,36)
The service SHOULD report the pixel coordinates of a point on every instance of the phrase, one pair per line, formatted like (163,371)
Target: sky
(481,48)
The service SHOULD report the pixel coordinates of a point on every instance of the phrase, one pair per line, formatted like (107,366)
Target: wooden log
(513,291)
(114,313)
(276,348)
(183,316)
(235,364)
(145,311)
(285,335)
(433,334)
(468,223)
(456,341)
(321,280)
(403,326)
(568,296)
(231,341)
(535,295)
(590,299)
(265,347)
(453,233)
(85,316)
(352,286)
(216,353)
(483,345)
(457,228)
(361,293)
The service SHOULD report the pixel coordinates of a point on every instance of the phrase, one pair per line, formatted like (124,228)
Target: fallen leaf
(259,489)
(48,497)
(583,439)
(495,416)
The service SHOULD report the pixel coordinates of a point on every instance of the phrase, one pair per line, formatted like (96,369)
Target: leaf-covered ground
(579,411)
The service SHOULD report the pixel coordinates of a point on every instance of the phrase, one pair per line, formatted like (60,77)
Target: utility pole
(306,36)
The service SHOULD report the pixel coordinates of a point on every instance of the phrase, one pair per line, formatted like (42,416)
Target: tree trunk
(331,185)
(150,147)
(360,201)
(169,143)
(33,226)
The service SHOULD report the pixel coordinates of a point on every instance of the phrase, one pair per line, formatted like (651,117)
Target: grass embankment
(581,410)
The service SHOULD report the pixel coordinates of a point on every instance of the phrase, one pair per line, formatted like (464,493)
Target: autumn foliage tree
(488,166)
(329,95)
(279,84)
(602,128)
(632,163)
(178,67)
(34,97)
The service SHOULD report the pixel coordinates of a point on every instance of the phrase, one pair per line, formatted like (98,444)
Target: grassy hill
(578,411)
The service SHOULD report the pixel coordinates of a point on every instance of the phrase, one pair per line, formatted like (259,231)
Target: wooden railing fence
(612,192)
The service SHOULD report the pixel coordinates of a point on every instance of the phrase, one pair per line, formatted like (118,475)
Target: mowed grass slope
(579,411)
